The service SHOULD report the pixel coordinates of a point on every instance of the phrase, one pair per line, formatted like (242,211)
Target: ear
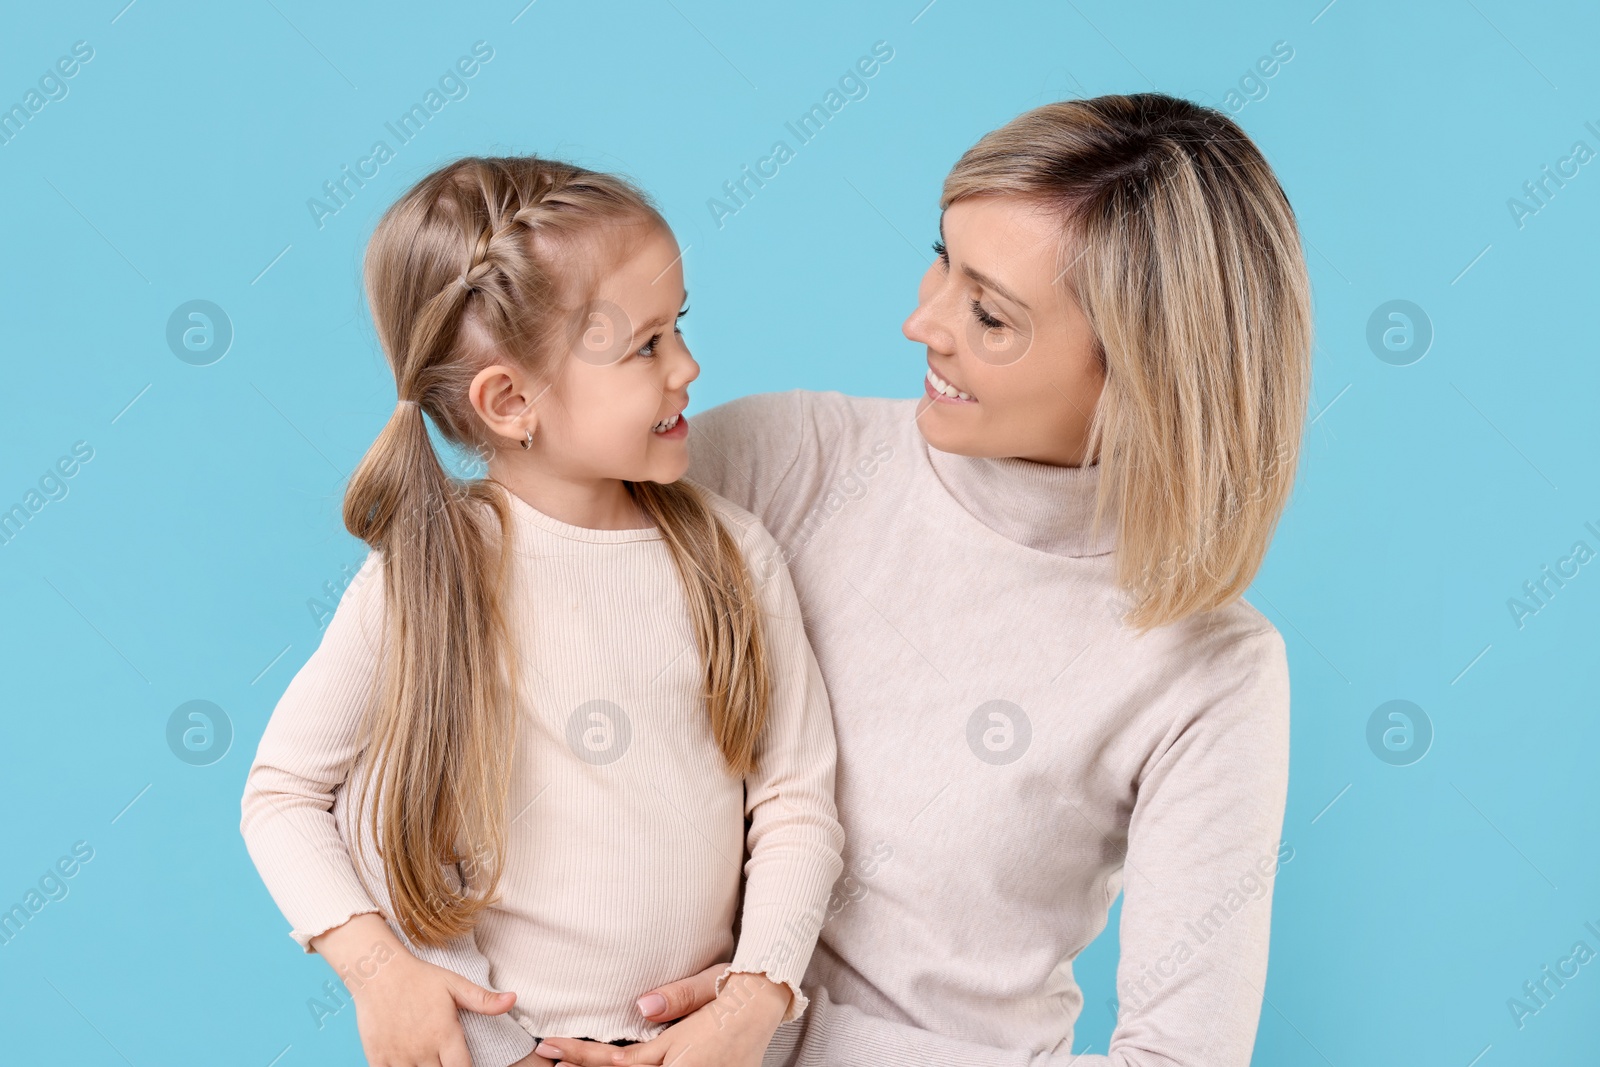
(504,398)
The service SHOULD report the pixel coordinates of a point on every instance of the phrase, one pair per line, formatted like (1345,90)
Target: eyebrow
(983,279)
(660,320)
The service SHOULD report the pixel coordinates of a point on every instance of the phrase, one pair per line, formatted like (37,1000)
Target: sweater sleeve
(305,755)
(296,819)
(1203,850)
(794,840)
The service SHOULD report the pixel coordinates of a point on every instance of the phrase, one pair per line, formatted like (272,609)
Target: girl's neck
(592,503)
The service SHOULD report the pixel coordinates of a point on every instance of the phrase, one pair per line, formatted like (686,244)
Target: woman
(1023,589)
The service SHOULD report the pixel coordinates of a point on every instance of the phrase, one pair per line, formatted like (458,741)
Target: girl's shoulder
(747,529)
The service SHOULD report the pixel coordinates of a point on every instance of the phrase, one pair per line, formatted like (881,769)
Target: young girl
(562,709)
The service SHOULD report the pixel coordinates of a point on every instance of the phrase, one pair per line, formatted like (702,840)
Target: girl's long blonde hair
(1182,250)
(494,260)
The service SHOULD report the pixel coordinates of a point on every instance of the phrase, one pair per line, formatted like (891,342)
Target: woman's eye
(984,317)
(938,246)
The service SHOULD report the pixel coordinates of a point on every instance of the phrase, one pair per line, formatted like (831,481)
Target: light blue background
(180,563)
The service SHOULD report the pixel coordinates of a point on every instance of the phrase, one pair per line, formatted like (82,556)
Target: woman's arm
(1203,849)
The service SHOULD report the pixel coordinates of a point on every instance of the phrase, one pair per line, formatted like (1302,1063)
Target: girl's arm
(794,840)
(493,1038)
(304,759)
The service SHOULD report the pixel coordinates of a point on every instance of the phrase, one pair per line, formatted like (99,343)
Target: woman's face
(1002,330)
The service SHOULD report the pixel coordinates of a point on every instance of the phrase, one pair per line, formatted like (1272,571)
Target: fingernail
(652,1004)
(547,1050)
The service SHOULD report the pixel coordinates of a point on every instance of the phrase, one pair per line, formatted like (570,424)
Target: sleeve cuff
(797,1000)
(303,935)
(495,1040)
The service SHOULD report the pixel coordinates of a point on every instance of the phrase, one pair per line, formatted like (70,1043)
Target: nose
(926,325)
(684,370)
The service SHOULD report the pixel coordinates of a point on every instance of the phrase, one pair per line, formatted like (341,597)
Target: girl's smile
(673,427)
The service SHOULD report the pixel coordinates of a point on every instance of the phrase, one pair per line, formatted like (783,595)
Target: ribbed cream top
(627,834)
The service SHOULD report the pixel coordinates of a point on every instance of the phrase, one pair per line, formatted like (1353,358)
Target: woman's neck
(1040,505)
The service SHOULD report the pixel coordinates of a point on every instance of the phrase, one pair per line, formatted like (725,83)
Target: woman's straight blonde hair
(495,260)
(1181,249)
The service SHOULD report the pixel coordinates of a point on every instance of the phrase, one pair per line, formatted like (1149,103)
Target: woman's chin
(933,421)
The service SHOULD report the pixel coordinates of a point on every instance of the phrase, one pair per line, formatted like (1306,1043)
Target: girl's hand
(405,1008)
(731,1030)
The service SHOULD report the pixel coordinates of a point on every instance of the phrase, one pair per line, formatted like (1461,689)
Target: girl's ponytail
(439,728)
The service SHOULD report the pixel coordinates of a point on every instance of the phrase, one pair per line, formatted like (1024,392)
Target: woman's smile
(943,392)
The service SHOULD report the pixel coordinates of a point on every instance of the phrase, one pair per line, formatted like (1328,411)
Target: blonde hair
(1186,261)
(494,260)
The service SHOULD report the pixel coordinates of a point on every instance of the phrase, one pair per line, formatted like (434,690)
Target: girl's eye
(988,320)
(938,246)
(649,349)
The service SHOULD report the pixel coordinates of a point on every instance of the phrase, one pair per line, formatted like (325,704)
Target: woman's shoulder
(788,416)
(772,453)
(1231,657)
(1236,630)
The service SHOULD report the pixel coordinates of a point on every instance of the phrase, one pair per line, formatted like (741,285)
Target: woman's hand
(405,1008)
(662,1004)
(731,1030)
(677,999)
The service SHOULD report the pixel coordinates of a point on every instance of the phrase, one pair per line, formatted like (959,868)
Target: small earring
(527,442)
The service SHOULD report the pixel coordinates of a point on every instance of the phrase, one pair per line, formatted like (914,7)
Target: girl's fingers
(572,1050)
(474,997)
(455,1052)
(677,999)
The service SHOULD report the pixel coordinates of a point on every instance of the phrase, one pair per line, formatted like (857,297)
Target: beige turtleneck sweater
(628,839)
(1011,755)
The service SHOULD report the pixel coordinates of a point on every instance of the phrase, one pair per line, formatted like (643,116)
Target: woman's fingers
(652,1052)
(572,1050)
(677,999)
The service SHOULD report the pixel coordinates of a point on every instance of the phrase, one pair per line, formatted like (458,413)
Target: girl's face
(597,416)
(1001,330)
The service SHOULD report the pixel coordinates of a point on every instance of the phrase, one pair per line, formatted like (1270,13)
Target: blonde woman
(1023,589)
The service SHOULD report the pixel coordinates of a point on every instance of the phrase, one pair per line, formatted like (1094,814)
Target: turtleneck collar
(1037,505)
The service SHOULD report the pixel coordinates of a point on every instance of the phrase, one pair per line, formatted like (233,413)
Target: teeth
(942,386)
(665,424)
